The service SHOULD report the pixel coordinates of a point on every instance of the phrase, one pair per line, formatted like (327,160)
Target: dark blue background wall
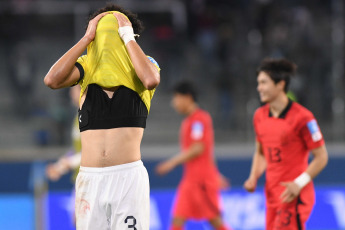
(18,177)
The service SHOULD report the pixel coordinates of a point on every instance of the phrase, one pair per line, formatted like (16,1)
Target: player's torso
(285,143)
(284,148)
(109,147)
(281,143)
(197,124)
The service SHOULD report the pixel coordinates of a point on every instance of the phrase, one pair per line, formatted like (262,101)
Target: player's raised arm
(258,168)
(64,73)
(144,68)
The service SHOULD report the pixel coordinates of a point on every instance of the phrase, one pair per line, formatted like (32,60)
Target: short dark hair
(186,88)
(278,70)
(137,25)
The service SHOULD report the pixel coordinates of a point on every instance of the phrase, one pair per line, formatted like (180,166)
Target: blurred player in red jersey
(285,133)
(198,195)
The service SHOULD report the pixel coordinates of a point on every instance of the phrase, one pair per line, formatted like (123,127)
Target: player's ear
(281,84)
(190,98)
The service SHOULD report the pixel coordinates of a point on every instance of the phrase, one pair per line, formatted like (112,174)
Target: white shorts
(110,198)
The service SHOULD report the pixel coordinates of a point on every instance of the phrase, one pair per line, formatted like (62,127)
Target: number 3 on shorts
(134,222)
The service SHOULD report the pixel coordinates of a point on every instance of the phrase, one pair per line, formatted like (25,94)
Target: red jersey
(198,127)
(286,142)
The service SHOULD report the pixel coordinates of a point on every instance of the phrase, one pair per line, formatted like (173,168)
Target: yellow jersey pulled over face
(107,62)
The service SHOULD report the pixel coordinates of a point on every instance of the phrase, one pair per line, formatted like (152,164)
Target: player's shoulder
(201,113)
(82,57)
(301,111)
(261,111)
(82,60)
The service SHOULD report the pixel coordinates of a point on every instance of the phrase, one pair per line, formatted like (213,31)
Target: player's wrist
(127,34)
(86,39)
(253,177)
(302,180)
(60,168)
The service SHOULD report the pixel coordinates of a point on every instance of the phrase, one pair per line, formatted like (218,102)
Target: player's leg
(177,223)
(305,204)
(211,206)
(181,209)
(292,216)
(129,197)
(270,217)
(286,218)
(218,223)
(89,215)
(183,205)
(304,211)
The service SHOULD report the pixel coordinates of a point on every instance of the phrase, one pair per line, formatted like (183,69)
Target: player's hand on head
(250,185)
(122,20)
(125,28)
(91,28)
(292,190)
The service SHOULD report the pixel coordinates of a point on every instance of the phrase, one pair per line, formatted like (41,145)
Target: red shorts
(288,216)
(197,200)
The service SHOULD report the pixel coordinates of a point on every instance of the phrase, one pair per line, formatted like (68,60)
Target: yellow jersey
(107,62)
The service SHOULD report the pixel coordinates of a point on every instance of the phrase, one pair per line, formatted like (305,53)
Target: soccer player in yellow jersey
(117,83)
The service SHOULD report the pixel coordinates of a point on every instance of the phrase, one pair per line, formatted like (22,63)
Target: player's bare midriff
(109,147)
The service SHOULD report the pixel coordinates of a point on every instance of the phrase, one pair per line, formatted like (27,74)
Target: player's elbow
(324,159)
(54,80)
(198,148)
(152,82)
(48,81)
(152,85)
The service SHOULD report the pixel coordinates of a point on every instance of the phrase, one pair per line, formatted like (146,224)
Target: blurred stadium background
(217,44)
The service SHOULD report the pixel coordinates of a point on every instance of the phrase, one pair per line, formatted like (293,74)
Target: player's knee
(218,224)
(177,224)
(176,227)
(223,227)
